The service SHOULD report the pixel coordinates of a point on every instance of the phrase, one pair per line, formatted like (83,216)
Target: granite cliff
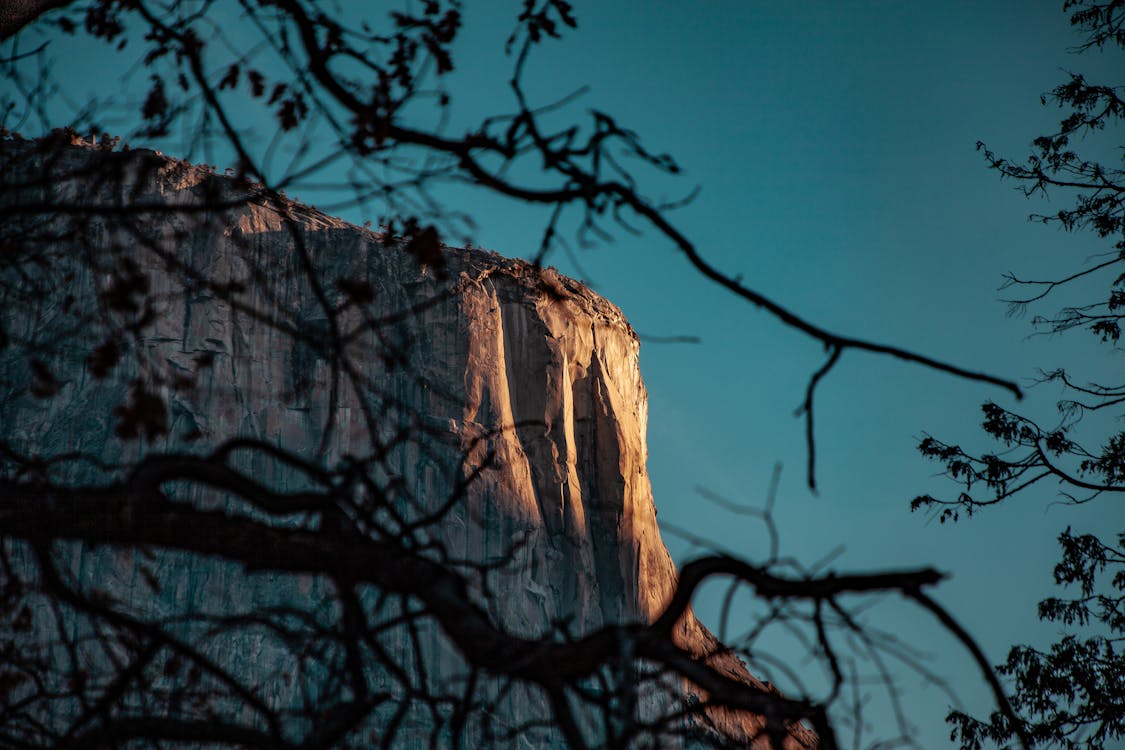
(460,363)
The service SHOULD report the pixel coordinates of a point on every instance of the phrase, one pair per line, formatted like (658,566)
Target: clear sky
(834,148)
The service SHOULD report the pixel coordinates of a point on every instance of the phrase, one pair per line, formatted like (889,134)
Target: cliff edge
(462,364)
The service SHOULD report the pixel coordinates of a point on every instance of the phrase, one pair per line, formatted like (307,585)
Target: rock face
(461,364)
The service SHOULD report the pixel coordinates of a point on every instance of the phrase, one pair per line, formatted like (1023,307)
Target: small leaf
(257,82)
(425,245)
(230,78)
(278,91)
(145,414)
(103,359)
(359,291)
(43,381)
(156,103)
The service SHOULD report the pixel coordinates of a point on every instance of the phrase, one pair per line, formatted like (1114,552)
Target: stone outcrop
(459,363)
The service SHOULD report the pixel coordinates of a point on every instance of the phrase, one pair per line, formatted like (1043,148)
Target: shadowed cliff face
(475,366)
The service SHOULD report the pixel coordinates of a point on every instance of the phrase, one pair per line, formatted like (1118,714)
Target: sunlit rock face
(466,365)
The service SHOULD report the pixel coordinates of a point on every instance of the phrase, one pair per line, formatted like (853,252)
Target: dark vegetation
(1072,693)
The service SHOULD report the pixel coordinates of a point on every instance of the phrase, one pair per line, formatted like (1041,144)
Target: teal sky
(834,148)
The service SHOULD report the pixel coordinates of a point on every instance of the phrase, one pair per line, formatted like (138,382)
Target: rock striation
(460,364)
